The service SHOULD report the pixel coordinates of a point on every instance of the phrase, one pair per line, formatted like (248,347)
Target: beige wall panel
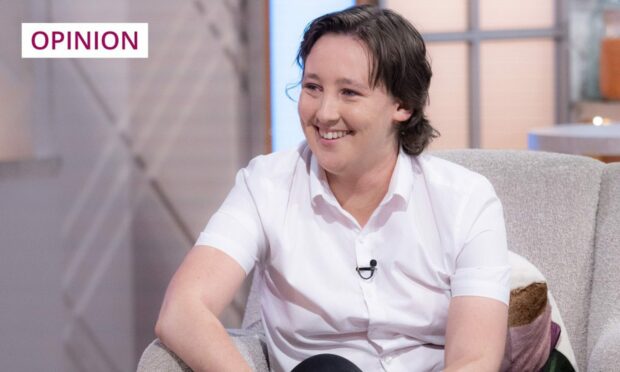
(448,110)
(188,121)
(517,91)
(519,14)
(433,16)
(141,151)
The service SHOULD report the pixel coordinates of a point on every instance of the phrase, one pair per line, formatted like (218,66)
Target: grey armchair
(562,213)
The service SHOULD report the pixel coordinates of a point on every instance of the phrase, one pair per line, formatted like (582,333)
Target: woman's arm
(202,287)
(475,334)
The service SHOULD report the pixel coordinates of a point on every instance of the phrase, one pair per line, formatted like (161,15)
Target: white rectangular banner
(85,40)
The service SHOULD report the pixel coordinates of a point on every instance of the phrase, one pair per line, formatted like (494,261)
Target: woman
(369,250)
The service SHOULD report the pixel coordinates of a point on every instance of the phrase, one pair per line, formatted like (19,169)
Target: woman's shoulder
(279,166)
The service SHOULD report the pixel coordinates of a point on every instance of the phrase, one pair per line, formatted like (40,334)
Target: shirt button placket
(364,255)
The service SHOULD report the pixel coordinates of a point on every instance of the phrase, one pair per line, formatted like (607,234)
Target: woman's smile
(327,134)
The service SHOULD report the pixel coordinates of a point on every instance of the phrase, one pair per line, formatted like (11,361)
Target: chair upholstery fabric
(604,324)
(158,358)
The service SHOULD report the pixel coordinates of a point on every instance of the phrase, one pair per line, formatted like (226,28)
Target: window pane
(448,110)
(517,90)
(519,14)
(432,15)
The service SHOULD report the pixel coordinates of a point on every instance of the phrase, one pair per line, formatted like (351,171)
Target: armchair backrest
(550,206)
(604,322)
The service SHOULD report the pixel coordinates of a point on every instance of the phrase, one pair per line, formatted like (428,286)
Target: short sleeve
(236,227)
(482,266)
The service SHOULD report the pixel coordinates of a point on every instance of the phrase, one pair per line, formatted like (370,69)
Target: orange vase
(610,68)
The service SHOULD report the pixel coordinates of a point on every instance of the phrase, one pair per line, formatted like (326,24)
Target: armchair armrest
(158,358)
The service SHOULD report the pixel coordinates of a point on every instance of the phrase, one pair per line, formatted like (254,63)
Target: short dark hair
(398,61)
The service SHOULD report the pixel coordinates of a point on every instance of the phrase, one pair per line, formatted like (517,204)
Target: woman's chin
(330,159)
(331,166)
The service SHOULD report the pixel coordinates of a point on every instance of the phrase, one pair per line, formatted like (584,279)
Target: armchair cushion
(532,335)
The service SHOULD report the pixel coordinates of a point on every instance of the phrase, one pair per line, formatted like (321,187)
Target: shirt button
(387,359)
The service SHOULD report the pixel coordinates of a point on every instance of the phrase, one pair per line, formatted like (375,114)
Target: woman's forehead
(338,57)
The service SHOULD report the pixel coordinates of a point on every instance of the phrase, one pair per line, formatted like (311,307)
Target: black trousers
(326,363)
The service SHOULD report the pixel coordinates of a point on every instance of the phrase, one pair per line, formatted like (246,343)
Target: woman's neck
(360,194)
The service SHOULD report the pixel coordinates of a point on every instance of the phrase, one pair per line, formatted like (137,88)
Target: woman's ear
(402,113)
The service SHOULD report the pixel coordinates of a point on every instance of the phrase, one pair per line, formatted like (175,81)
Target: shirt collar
(401,182)
(318,182)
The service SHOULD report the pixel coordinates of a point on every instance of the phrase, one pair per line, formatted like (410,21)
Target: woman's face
(350,126)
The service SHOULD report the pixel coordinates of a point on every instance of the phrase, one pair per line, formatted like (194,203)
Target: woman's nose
(328,111)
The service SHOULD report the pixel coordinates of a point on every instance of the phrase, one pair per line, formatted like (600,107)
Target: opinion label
(85,40)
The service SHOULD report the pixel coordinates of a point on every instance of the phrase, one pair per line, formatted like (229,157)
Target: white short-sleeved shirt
(438,233)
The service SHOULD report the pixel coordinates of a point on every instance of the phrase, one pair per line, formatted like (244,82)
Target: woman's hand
(202,287)
(475,334)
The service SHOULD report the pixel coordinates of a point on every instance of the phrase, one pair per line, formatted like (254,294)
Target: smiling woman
(359,191)
(349,125)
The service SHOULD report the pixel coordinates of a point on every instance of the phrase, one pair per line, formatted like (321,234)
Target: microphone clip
(362,271)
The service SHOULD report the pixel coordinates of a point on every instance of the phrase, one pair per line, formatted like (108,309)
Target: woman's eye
(311,86)
(349,93)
